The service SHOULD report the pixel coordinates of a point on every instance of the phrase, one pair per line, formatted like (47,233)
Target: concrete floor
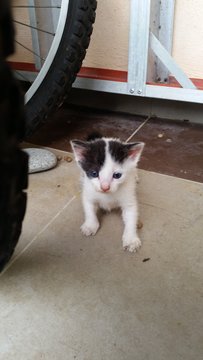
(67,297)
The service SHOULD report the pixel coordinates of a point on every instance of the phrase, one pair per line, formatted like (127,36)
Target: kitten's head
(107,162)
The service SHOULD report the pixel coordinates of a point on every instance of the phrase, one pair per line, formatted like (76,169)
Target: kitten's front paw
(131,243)
(89,228)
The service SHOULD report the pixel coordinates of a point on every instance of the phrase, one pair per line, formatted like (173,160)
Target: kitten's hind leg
(91,224)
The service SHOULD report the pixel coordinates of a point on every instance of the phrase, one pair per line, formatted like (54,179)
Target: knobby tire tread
(67,63)
(13,165)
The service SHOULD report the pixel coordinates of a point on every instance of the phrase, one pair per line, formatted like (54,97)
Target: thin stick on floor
(136,130)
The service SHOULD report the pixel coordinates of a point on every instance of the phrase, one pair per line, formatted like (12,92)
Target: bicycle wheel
(13,161)
(63,61)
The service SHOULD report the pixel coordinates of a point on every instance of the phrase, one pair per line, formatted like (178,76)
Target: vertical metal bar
(167,9)
(138,46)
(165,35)
(161,25)
(46,22)
(55,12)
(34,33)
(154,27)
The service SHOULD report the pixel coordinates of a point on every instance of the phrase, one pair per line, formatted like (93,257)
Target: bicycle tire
(13,161)
(66,63)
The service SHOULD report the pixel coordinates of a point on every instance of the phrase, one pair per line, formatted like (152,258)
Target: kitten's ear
(135,151)
(80,149)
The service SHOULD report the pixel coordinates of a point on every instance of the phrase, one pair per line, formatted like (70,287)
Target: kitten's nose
(105,187)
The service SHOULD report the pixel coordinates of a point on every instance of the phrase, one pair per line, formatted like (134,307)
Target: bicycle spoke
(33,27)
(22,76)
(35,7)
(33,52)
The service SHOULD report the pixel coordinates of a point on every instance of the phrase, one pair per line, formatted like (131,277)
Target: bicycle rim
(53,48)
(63,61)
(52,52)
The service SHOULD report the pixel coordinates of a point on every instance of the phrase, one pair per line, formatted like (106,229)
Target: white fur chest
(106,201)
(124,196)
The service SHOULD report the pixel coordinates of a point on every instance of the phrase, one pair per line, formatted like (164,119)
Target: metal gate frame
(149,40)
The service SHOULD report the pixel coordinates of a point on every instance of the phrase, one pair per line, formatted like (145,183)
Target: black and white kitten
(109,181)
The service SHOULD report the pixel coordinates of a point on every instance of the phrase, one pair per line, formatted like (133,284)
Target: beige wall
(188,36)
(109,43)
(23,34)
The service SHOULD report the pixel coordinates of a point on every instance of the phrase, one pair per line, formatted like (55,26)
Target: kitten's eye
(117,175)
(94,173)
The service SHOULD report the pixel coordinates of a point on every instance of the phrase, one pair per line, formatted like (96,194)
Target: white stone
(40,160)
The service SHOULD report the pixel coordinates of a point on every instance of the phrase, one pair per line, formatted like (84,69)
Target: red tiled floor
(172,148)
(77,123)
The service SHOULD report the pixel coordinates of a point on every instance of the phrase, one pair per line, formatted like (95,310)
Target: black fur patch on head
(94,135)
(118,151)
(94,156)
(121,151)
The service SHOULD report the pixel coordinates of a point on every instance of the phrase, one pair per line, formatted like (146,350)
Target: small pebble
(139,224)
(146,259)
(59,158)
(168,140)
(160,135)
(68,158)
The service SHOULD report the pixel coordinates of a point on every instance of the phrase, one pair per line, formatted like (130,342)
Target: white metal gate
(150,60)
